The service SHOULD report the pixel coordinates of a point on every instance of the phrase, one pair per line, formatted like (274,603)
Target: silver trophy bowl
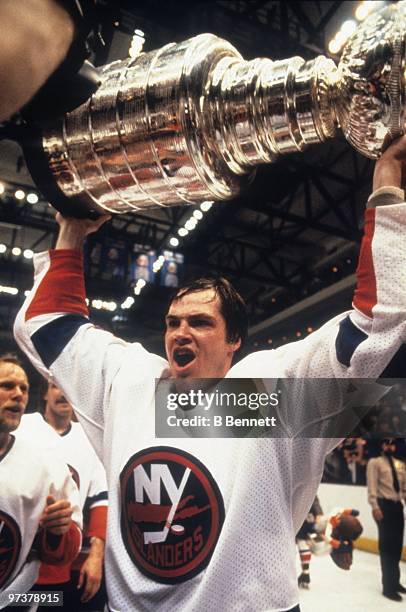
(191,121)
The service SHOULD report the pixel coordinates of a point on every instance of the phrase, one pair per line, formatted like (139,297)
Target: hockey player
(80,581)
(194,524)
(39,507)
(320,534)
(302,540)
(87,571)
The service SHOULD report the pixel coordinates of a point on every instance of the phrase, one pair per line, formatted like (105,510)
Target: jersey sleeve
(95,510)
(366,344)
(54,330)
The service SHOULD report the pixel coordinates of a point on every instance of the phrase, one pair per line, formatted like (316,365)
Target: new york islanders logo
(10,546)
(172,513)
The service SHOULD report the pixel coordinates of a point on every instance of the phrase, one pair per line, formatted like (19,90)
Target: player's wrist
(71,236)
(387,174)
(96,552)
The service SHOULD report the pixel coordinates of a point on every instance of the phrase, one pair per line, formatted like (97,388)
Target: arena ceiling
(289,242)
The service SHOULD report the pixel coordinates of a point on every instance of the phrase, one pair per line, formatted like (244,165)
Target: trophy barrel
(192,120)
(183,124)
(139,141)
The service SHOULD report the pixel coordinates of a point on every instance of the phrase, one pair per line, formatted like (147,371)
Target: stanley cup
(191,121)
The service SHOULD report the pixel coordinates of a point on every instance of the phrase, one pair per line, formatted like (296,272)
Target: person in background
(386,481)
(40,518)
(81,582)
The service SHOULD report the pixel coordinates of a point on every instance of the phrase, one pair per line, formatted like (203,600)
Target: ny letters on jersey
(172,513)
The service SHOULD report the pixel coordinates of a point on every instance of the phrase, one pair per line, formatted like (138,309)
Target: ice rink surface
(358,590)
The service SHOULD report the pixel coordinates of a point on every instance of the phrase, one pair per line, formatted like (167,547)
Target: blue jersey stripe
(348,339)
(102,496)
(51,339)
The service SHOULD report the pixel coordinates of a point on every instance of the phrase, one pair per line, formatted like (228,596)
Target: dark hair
(232,306)
(11,358)
(387,441)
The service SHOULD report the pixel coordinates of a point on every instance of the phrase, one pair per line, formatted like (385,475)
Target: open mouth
(183,357)
(14,409)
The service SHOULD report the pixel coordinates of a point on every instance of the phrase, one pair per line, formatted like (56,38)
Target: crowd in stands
(348,462)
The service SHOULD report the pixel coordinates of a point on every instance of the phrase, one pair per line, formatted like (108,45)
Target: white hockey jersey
(28,474)
(75,449)
(210,524)
(87,471)
(33,427)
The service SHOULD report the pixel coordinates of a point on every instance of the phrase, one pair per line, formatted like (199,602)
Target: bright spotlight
(32,198)
(19,194)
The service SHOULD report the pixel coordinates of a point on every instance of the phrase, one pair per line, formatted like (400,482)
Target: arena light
(348,27)
(205,206)
(191,224)
(28,254)
(32,198)
(103,305)
(334,46)
(141,282)
(19,194)
(128,302)
(139,286)
(137,43)
(174,241)
(3,248)
(158,263)
(182,232)
(366,8)
(16,251)
(26,293)
(341,37)
(9,290)
(198,215)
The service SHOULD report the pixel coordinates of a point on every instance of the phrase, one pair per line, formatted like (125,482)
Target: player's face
(195,339)
(389,447)
(13,396)
(56,402)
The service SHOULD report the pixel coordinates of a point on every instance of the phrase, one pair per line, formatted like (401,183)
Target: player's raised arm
(54,330)
(367,342)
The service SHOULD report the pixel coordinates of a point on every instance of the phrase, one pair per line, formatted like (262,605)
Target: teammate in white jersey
(206,524)
(55,430)
(40,517)
(82,580)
